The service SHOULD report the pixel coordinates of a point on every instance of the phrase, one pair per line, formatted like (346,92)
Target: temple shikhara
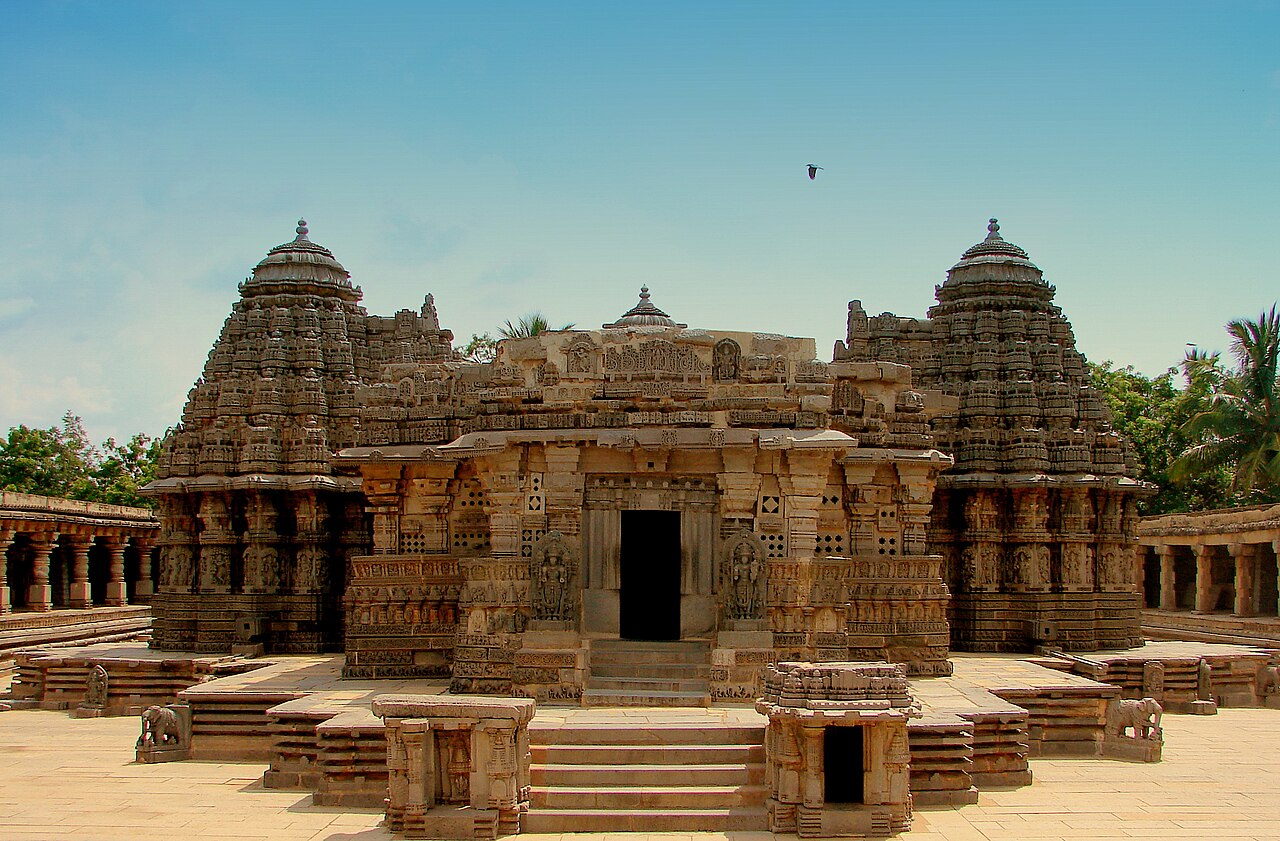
(347,482)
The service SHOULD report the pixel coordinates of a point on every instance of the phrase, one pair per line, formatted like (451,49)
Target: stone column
(216,540)
(40,593)
(500,474)
(6,540)
(1246,582)
(1168,579)
(1204,579)
(80,592)
(144,587)
(116,592)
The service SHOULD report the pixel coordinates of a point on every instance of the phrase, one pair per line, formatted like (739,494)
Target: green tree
(60,461)
(1151,412)
(124,469)
(56,461)
(1239,427)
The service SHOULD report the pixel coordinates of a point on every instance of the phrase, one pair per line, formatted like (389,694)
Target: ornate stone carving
(553,575)
(743,576)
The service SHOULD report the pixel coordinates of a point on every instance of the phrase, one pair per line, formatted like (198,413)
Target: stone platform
(1263,631)
(29,628)
(621,769)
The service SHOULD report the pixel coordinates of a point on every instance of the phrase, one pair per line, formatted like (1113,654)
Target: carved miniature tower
(1035,520)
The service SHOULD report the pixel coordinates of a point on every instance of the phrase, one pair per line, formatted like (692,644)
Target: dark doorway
(842,764)
(1150,577)
(649,604)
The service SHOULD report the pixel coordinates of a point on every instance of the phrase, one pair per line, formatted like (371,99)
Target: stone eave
(482,443)
(1046,480)
(251,481)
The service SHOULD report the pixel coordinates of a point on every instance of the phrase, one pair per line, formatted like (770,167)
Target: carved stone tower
(1035,520)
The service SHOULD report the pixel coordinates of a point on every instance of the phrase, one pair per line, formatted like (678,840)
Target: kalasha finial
(302,229)
(644,293)
(993,229)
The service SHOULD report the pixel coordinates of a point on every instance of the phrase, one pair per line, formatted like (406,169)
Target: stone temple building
(342,481)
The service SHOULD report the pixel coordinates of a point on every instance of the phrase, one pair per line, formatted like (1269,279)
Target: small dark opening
(99,572)
(1151,578)
(1184,577)
(649,604)
(842,764)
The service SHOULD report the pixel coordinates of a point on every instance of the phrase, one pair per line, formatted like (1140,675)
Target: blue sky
(555,156)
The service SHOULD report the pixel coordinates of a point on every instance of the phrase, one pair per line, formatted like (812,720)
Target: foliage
(483,347)
(1151,412)
(60,461)
(1238,427)
(530,324)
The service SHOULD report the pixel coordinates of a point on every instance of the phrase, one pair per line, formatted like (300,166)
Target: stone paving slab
(62,777)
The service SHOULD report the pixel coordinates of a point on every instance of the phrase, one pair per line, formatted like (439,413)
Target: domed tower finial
(301,230)
(993,229)
(644,293)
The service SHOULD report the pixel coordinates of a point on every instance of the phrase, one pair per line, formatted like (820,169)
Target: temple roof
(300,266)
(645,314)
(994,244)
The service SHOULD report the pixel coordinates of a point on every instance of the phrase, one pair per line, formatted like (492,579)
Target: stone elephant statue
(160,726)
(1143,717)
(1268,680)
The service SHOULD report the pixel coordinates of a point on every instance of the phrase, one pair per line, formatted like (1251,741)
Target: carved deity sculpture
(453,759)
(1204,681)
(552,575)
(95,692)
(726,360)
(744,576)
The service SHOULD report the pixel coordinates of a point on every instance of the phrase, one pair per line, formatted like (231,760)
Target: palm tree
(528,325)
(1240,425)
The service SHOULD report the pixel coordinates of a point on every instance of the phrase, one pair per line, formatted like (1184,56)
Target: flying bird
(813,171)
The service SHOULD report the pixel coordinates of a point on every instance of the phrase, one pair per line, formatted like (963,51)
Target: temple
(592,501)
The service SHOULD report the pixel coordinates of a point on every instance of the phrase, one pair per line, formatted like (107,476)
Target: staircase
(636,673)
(691,774)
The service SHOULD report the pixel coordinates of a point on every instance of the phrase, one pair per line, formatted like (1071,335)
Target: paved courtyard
(65,778)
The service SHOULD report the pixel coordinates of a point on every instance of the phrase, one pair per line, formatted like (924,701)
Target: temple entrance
(649,602)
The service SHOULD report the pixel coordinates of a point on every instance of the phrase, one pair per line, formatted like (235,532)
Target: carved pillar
(40,593)
(1168,579)
(563,485)
(116,593)
(802,486)
(215,544)
(310,570)
(1246,582)
(144,587)
(262,554)
(1204,579)
(739,485)
(382,489)
(6,540)
(500,473)
(80,592)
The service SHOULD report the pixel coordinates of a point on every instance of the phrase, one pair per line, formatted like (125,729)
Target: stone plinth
(820,783)
(458,765)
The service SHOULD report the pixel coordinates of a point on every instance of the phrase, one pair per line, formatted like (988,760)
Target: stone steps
(641,673)
(628,754)
(665,774)
(693,775)
(740,819)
